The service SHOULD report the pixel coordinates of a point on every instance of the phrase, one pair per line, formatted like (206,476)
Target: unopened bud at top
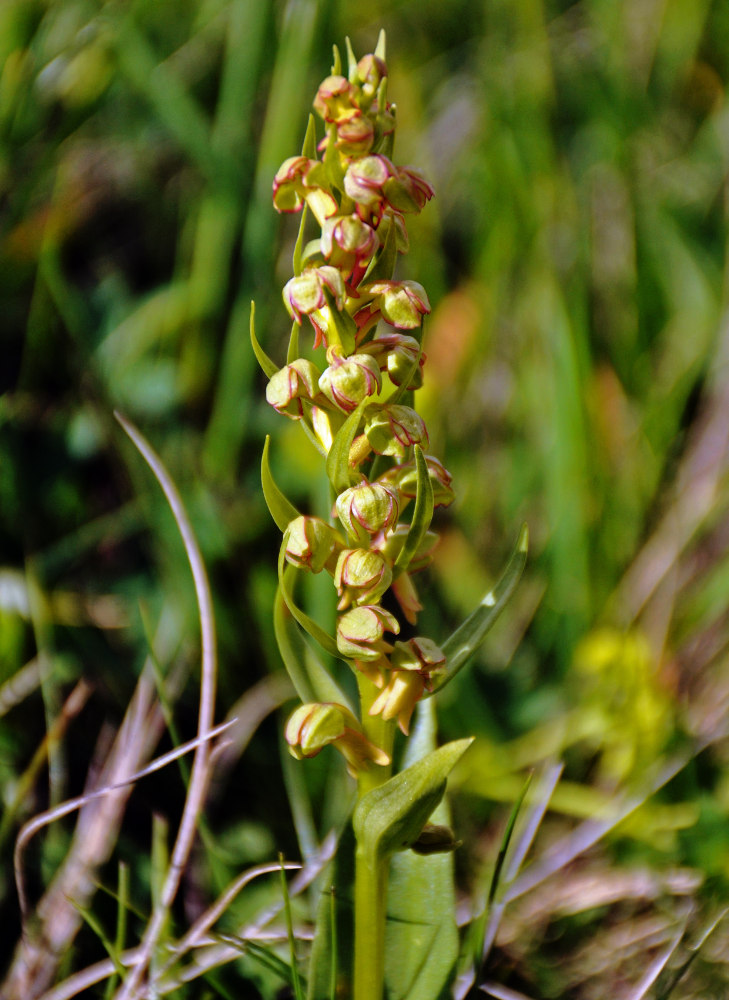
(335,100)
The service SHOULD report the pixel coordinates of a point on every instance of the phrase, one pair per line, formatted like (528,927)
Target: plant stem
(370,883)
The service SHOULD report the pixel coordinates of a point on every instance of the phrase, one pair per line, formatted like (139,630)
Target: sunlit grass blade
(459,646)
(668,990)
(121,927)
(295,979)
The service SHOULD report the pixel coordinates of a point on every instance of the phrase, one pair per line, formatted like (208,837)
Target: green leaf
(351,61)
(380,51)
(285,575)
(299,245)
(341,329)
(311,679)
(281,509)
(382,265)
(323,964)
(390,817)
(338,458)
(270,368)
(309,147)
(459,646)
(337,63)
(422,515)
(293,352)
(422,937)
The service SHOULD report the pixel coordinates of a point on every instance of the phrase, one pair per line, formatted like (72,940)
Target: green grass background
(575,257)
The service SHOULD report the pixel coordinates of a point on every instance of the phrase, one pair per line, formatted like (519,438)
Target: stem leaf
(308,624)
(268,366)
(421,947)
(389,818)
(422,515)
(281,509)
(338,469)
(466,639)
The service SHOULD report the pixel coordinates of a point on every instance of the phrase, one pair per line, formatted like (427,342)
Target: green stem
(370,883)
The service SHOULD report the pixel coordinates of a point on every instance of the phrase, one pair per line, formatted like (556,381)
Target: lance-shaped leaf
(286,575)
(293,352)
(459,646)
(269,367)
(390,817)
(422,938)
(309,147)
(311,679)
(299,245)
(341,328)
(282,510)
(382,265)
(338,471)
(422,515)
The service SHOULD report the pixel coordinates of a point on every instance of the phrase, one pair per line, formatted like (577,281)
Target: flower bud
(412,664)
(401,303)
(294,382)
(335,100)
(370,71)
(361,577)
(405,479)
(397,353)
(360,632)
(310,543)
(347,381)
(304,294)
(393,429)
(313,726)
(367,509)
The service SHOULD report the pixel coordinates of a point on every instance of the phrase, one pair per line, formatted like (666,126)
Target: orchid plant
(355,402)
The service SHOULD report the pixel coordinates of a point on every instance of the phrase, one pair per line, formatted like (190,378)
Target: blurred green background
(575,256)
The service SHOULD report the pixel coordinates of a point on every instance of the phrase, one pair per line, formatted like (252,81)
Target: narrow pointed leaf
(459,646)
(268,366)
(390,818)
(380,51)
(351,61)
(282,510)
(422,937)
(342,328)
(285,577)
(299,245)
(422,515)
(337,62)
(338,471)
(293,352)
(382,265)
(309,147)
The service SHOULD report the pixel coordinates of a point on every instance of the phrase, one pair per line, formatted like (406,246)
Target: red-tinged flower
(413,664)
(361,577)
(360,632)
(347,241)
(392,430)
(407,597)
(365,179)
(300,180)
(399,355)
(317,725)
(311,543)
(367,509)
(347,381)
(402,303)
(305,294)
(335,99)
(405,479)
(355,136)
(408,190)
(292,384)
